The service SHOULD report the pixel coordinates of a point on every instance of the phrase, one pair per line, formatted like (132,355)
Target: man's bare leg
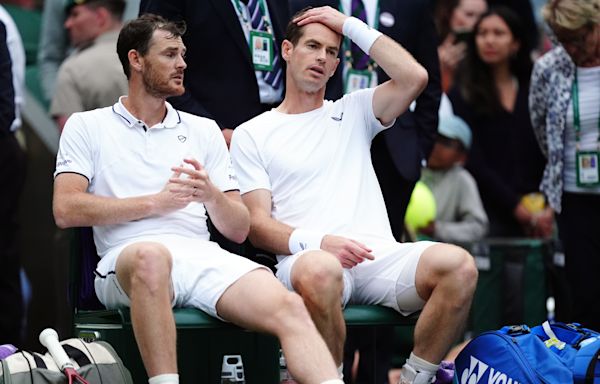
(259,302)
(446,278)
(144,272)
(318,277)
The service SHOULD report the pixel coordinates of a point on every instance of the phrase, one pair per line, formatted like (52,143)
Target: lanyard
(346,45)
(576,118)
(263,8)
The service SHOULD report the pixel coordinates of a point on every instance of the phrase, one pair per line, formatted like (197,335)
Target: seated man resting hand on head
(306,176)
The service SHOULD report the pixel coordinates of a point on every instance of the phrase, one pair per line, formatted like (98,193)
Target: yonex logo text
(477,370)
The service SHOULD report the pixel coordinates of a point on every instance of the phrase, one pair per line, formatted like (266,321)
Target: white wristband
(360,33)
(303,239)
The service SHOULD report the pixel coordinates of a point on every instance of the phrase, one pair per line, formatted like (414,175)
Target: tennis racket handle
(49,339)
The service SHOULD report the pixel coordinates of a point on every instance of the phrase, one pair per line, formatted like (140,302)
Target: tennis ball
(421,207)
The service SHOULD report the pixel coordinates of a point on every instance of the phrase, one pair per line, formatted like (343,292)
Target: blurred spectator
(221,81)
(490,94)
(454,20)
(93,27)
(564,100)
(54,41)
(12,178)
(397,153)
(460,217)
(17,57)
(525,10)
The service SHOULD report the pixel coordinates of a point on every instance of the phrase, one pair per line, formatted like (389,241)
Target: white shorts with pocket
(201,272)
(389,280)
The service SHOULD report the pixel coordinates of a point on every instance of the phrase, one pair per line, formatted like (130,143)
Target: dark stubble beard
(158,86)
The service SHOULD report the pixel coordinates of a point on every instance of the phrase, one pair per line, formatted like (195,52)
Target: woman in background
(454,21)
(565,113)
(490,93)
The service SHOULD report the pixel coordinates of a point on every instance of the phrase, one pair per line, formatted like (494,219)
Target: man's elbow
(61,221)
(421,78)
(240,235)
(61,217)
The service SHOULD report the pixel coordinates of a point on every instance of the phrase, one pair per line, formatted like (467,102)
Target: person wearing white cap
(460,216)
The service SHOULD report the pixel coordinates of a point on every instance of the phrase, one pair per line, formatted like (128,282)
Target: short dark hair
(294,32)
(137,33)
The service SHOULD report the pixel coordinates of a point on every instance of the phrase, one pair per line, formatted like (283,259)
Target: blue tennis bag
(554,353)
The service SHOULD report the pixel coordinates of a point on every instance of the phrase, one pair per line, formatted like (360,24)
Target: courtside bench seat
(355,315)
(203,340)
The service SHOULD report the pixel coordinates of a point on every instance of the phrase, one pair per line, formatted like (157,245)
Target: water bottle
(7,350)
(284,374)
(232,370)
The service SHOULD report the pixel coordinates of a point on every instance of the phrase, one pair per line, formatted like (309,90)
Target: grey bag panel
(106,366)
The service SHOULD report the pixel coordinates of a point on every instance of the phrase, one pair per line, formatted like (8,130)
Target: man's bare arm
(407,77)
(73,206)
(265,232)
(274,236)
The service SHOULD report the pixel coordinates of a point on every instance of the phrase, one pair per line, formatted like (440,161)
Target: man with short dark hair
(306,176)
(91,77)
(146,176)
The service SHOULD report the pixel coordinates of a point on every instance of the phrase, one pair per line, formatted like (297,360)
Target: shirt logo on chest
(338,118)
(182,138)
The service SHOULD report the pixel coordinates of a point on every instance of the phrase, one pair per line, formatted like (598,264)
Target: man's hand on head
(328,16)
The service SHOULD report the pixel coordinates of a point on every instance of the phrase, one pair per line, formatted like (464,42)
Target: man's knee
(292,312)
(465,270)
(145,265)
(318,274)
(450,265)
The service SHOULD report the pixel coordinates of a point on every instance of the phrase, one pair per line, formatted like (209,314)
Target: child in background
(460,217)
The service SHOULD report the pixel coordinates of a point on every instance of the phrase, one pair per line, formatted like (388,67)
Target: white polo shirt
(123,158)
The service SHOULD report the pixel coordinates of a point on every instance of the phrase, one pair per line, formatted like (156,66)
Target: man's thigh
(389,280)
(201,272)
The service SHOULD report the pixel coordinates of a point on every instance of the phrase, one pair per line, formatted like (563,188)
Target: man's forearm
(271,235)
(399,65)
(230,216)
(84,209)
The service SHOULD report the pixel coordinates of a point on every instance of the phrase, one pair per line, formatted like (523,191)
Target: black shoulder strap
(76,355)
(39,362)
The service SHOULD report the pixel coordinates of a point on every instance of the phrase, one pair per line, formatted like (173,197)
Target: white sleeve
(362,100)
(218,162)
(75,151)
(247,162)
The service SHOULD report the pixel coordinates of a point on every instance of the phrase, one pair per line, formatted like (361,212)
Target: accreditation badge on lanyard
(356,79)
(261,50)
(588,172)
(586,162)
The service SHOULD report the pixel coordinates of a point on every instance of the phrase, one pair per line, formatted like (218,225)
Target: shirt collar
(171,120)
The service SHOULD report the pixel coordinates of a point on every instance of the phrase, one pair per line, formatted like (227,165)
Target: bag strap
(584,365)
(76,355)
(39,362)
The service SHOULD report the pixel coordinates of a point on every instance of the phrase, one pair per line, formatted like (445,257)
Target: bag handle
(584,365)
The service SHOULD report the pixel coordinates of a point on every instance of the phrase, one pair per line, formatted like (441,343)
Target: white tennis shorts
(201,272)
(389,280)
